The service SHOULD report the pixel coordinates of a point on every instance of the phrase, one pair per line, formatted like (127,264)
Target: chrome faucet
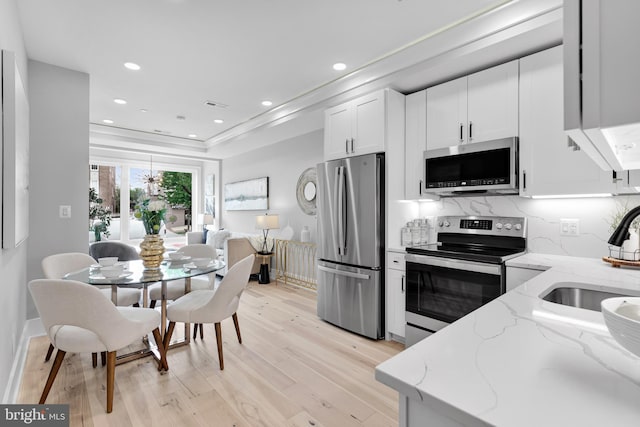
(621,233)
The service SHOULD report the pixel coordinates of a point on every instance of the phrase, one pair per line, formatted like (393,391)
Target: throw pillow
(217,238)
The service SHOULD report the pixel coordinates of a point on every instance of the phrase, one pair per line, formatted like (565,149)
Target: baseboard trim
(32,328)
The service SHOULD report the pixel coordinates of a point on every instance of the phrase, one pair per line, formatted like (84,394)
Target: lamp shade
(207,219)
(267,222)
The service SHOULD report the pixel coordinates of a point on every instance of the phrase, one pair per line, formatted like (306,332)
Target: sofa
(231,247)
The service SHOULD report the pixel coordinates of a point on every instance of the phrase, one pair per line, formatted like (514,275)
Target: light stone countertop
(522,361)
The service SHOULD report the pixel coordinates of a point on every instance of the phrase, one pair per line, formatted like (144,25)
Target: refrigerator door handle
(341,208)
(344,273)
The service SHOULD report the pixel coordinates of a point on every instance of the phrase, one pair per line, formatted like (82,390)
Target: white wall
(59,102)
(543,217)
(12,261)
(282,163)
(13,274)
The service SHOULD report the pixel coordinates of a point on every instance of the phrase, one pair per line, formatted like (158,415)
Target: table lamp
(265,223)
(205,219)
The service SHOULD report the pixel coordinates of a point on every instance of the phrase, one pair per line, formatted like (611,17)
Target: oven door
(444,289)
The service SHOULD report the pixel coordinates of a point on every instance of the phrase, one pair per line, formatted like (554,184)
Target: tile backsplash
(544,217)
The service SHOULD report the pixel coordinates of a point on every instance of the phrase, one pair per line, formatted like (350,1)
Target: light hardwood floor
(291,370)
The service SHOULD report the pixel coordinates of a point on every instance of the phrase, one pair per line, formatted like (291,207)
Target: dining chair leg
(49,353)
(152,304)
(201,331)
(167,335)
(111,376)
(94,359)
(219,341)
(52,375)
(195,330)
(162,363)
(103,357)
(237,325)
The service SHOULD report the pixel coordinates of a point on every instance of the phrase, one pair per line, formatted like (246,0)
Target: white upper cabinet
(492,103)
(358,126)
(480,107)
(548,165)
(447,114)
(415,144)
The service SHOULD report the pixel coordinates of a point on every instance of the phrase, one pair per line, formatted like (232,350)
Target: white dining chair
(57,265)
(79,318)
(175,288)
(213,306)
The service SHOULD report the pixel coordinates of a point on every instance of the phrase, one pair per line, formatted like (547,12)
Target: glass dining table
(134,274)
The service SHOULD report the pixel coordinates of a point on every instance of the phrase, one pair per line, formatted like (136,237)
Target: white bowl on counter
(622,317)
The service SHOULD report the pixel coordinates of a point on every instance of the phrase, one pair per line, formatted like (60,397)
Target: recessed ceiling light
(119,101)
(132,66)
(193,135)
(218,121)
(339,66)
(107,121)
(143,110)
(267,103)
(181,118)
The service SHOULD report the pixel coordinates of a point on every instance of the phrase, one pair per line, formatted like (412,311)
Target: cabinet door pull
(461,128)
(351,145)
(420,187)
(402,285)
(346,146)
(470,131)
(524,180)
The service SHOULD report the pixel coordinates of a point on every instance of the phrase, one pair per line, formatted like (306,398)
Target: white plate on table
(183,258)
(192,266)
(119,276)
(98,266)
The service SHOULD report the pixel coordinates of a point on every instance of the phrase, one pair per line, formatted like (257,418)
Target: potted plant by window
(99,216)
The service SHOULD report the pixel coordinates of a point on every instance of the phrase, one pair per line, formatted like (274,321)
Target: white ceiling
(236,52)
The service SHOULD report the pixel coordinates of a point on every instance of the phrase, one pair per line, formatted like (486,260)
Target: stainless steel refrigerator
(351,243)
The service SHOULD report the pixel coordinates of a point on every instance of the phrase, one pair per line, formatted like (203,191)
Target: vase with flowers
(151,212)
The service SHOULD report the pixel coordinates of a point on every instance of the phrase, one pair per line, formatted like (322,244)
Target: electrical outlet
(569,227)
(65,211)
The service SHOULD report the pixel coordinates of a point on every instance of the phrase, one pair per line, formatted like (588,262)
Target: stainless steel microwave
(489,167)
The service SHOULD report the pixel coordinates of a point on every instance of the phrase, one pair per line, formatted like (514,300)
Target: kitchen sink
(576,294)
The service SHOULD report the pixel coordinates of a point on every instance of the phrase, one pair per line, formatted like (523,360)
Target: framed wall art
(15,149)
(249,195)
(209,195)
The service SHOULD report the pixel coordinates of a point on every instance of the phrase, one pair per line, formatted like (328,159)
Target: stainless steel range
(461,272)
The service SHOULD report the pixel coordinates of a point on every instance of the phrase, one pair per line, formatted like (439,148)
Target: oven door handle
(455,264)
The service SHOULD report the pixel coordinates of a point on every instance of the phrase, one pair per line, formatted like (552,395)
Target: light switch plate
(569,227)
(65,211)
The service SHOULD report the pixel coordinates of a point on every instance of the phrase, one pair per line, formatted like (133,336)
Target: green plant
(616,217)
(99,216)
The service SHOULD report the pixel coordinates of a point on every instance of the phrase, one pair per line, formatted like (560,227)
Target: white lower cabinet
(395,295)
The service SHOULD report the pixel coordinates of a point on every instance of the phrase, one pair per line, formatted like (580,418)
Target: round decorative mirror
(306,191)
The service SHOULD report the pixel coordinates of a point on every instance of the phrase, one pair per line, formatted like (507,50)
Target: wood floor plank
(291,370)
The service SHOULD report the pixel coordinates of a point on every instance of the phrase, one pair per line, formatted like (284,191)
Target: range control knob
(518,226)
(446,223)
(507,226)
(499,226)
(440,223)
